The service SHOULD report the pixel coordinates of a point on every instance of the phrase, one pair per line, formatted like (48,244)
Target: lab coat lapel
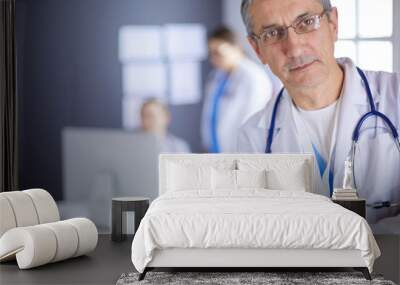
(354,104)
(286,136)
(235,81)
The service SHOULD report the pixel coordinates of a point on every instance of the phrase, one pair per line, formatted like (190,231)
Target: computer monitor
(99,164)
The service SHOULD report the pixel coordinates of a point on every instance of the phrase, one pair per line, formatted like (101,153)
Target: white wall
(231,17)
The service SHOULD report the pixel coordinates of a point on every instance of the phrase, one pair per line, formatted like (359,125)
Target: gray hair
(245,7)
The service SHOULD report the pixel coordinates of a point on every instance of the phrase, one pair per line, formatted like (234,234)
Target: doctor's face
(299,60)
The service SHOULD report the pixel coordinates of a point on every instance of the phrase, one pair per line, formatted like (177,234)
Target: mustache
(296,62)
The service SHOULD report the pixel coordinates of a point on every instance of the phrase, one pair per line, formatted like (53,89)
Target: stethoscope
(356,133)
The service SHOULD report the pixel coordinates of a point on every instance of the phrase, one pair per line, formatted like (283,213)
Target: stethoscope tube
(357,129)
(355,136)
(356,133)
(373,112)
(271,129)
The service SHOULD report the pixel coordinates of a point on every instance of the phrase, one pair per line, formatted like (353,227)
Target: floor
(388,264)
(103,266)
(111,259)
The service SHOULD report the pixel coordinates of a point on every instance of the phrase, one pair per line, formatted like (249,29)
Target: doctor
(236,89)
(322,101)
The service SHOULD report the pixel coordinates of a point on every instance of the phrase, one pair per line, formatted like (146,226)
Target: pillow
(251,178)
(223,179)
(282,173)
(293,178)
(188,177)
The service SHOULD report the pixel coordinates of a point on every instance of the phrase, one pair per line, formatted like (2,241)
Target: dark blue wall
(70,75)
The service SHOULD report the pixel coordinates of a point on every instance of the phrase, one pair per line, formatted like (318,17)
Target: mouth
(302,67)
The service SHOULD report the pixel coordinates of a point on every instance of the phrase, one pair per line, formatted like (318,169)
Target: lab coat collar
(286,137)
(281,115)
(352,79)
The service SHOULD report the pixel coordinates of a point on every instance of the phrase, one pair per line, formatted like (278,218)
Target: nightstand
(357,206)
(139,205)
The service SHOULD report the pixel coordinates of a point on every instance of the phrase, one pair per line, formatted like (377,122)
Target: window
(368,33)
(163,62)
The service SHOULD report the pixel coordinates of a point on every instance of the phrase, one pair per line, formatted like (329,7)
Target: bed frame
(246,259)
(261,259)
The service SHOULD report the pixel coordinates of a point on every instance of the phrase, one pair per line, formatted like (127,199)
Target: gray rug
(269,278)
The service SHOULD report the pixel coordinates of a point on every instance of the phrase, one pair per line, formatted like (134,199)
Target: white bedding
(251,218)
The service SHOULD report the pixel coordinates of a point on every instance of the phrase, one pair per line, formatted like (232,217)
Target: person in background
(155,119)
(236,89)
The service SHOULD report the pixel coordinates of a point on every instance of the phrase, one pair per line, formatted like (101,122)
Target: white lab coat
(173,144)
(377,161)
(247,91)
(169,143)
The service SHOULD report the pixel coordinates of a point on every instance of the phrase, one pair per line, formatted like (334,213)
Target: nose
(293,44)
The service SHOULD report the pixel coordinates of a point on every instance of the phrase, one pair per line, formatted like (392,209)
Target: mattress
(250,219)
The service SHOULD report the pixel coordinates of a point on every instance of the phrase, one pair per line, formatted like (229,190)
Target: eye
(271,34)
(308,21)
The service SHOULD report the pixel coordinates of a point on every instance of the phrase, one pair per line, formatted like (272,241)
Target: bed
(247,211)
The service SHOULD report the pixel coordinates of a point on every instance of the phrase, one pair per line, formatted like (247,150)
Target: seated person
(155,119)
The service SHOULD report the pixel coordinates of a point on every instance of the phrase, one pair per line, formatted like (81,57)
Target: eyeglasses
(304,25)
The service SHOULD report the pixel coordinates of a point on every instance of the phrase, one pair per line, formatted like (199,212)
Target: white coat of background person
(330,91)
(155,119)
(236,89)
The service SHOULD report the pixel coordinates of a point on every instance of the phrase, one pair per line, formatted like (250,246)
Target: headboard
(233,161)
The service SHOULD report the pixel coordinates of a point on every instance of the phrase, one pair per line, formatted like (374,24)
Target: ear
(254,44)
(333,23)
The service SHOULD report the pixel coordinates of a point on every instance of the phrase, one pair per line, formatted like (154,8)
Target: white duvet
(250,219)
